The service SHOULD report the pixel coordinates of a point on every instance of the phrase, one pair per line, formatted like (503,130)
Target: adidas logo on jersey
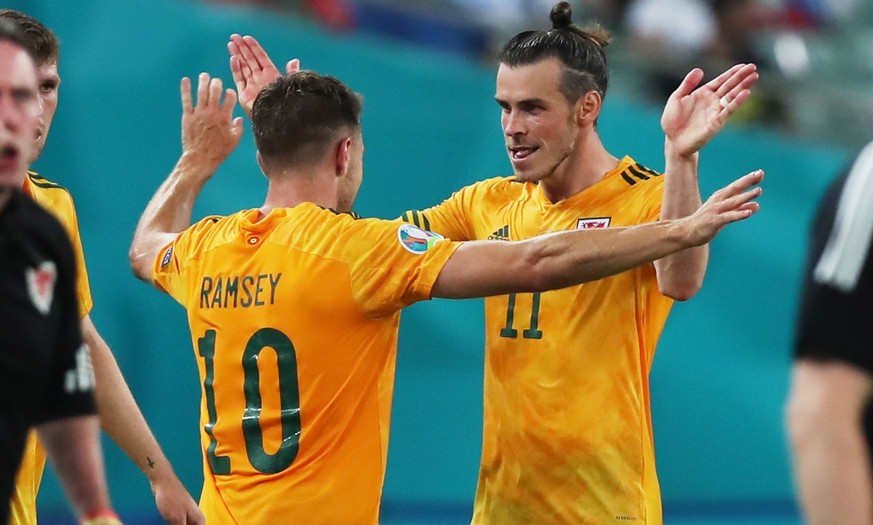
(500,235)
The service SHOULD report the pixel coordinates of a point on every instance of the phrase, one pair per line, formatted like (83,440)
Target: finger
(215,89)
(293,66)
(719,81)
(203,89)
(730,103)
(246,52)
(736,215)
(739,185)
(691,81)
(237,127)
(736,78)
(235,70)
(258,53)
(229,102)
(743,87)
(187,102)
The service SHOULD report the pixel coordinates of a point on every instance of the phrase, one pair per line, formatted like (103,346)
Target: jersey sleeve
(392,264)
(69,390)
(836,307)
(171,263)
(451,218)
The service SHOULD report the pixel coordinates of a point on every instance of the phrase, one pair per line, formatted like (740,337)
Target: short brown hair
(296,118)
(42,43)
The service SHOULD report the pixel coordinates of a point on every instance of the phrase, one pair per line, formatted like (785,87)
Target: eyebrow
(524,102)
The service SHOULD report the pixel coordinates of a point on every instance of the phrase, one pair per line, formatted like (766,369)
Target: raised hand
(732,203)
(694,115)
(209,131)
(252,69)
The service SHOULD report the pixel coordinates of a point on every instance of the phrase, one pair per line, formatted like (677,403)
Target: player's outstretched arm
(825,426)
(209,135)
(693,115)
(252,69)
(122,419)
(73,445)
(558,260)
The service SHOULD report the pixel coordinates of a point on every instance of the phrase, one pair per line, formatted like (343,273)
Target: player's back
(294,323)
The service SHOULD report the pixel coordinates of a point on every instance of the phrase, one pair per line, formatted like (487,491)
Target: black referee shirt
(45,369)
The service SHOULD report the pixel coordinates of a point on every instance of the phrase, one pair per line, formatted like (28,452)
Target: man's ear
(343,155)
(588,108)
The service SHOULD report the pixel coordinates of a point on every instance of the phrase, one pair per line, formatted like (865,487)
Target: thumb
(237,127)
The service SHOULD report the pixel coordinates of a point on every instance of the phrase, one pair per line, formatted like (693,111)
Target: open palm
(694,115)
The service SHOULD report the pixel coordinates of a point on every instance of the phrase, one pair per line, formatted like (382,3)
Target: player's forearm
(168,212)
(73,445)
(582,256)
(558,260)
(120,416)
(680,275)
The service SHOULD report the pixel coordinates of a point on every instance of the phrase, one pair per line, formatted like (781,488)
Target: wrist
(197,165)
(672,151)
(101,517)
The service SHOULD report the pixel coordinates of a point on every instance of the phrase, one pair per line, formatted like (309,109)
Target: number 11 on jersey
(532,331)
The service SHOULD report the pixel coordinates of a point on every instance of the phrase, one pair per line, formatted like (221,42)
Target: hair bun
(561,15)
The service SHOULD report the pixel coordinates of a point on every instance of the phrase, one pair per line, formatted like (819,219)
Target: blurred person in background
(711,34)
(829,413)
(119,414)
(47,380)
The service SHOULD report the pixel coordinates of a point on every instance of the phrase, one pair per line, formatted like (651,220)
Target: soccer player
(119,414)
(294,306)
(568,432)
(830,417)
(46,374)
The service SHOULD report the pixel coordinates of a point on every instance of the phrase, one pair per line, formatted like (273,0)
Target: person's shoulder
(637,175)
(35,221)
(39,184)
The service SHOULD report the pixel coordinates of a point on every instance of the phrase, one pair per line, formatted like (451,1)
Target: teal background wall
(721,373)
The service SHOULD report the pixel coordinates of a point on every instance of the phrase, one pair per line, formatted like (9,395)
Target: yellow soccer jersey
(59,202)
(294,322)
(567,425)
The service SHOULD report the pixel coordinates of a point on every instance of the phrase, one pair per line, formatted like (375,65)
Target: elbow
(682,290)
(139,263)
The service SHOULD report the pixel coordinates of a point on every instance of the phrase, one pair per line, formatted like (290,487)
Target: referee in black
(46,378)
(830,416)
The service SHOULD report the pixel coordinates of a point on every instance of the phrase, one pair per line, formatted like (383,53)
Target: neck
(288,188)
(587,163)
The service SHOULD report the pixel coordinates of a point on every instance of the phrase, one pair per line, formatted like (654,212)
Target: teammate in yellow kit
(119,415)
(568,431)
(294,307)
(567,422)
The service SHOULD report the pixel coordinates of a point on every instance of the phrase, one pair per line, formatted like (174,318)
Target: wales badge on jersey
(416,240)
(595,222)
(41,285)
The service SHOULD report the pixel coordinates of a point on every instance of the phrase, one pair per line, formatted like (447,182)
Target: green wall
(721,372)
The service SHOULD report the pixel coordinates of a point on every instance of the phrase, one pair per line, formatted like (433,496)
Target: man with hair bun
(567,420)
